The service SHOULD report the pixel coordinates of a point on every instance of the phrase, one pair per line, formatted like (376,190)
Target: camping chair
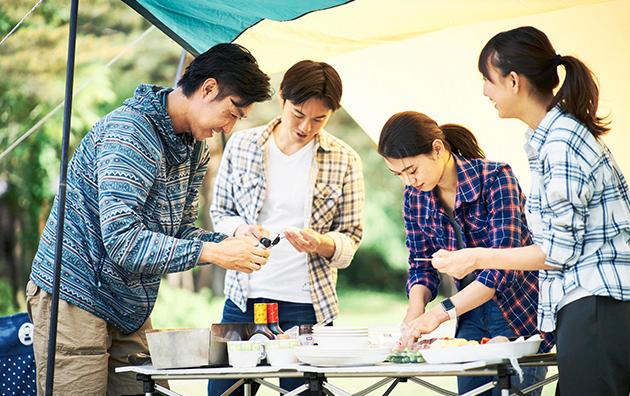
(17,362)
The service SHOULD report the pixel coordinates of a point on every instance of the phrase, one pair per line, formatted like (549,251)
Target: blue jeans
(289,315)
(488,321)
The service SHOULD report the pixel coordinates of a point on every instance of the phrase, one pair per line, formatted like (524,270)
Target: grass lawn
(178,308)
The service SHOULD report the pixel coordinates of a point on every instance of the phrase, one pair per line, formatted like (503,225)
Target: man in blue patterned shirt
(132,200)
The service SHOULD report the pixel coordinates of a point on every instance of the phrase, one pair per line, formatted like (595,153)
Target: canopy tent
(394,55)
(413,54)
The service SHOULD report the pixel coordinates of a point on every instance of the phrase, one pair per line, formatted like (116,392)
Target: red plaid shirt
(489,209)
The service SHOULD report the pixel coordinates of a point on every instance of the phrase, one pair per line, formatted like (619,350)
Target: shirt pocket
(433,237)
(247,191)
(325,201)
(478,230)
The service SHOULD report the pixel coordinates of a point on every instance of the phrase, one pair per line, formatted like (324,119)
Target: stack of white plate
(344,337)
(335,357)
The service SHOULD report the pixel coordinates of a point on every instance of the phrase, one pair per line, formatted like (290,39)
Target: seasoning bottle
(261,332)
(272,319)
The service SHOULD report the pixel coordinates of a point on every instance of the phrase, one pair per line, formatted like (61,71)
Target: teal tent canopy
(197,25)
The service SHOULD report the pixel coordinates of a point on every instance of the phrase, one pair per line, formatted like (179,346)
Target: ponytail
(462,141)
(409,134)
(527,51)
(579,95)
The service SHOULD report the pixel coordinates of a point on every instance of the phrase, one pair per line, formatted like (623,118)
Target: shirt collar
(468,186)
(321,140)
(535,139)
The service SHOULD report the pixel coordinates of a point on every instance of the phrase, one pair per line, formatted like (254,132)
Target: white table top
(378,370)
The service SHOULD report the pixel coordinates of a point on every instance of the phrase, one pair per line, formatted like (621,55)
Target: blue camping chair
(17,362)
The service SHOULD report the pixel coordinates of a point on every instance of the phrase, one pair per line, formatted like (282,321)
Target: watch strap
(449,308)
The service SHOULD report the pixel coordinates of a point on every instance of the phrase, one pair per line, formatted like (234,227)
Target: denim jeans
(289,315)
(487,320)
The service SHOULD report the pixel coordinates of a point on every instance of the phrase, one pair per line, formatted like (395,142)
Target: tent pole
(54,310)
(180,68)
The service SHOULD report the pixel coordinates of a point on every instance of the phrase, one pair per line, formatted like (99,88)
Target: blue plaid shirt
(578,212)
(489,210)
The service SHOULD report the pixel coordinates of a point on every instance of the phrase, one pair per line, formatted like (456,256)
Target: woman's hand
(425,323)
(457,264)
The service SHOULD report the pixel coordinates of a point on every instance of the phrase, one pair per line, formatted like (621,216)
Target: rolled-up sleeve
(347,229)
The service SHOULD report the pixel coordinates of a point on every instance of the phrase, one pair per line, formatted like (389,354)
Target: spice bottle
(272,319)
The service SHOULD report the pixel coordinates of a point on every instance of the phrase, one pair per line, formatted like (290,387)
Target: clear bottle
(272,319)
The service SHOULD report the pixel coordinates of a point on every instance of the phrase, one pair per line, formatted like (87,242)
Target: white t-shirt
(285,276)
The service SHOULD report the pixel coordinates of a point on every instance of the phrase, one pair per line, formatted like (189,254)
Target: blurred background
(34,59)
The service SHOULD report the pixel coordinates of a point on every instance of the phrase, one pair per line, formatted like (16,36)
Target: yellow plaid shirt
(337,192)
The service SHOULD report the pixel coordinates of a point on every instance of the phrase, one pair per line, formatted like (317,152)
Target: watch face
(447,304)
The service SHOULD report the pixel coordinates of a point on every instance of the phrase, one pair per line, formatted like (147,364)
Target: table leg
(504,382)
(247,387)
(233,387)
(314,383)
(148,385)
(393,385)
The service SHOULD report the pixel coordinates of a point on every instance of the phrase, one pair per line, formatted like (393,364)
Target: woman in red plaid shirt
(455,198)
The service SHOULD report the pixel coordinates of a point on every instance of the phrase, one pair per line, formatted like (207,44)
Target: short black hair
(236,71)
(308,79)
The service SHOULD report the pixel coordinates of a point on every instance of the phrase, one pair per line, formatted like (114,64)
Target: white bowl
(281,357)
(243,358)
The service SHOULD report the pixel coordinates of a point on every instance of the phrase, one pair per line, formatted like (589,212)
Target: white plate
(470,353)
(339,358)
(322,351)
(327,329)
(338,342)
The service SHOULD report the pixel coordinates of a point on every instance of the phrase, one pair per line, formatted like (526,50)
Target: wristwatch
(449,308)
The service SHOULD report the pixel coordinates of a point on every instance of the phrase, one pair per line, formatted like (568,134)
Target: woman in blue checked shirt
(455,198)
(578,210)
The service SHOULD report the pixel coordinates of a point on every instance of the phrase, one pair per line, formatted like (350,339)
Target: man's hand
(235,253)
(254,231)
(309,241)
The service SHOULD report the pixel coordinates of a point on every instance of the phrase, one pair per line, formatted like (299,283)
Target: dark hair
(236,71)
(409,134)
(308,79)
(528,52)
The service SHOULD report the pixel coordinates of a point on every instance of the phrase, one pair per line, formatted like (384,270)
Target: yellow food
(438,344)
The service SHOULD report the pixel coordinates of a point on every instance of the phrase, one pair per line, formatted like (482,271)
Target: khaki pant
(88,349)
